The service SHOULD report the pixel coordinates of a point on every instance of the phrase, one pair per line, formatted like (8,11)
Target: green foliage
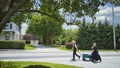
(21,17)
(18,18)
(118,36)
(12,44)
(105,36)
(23,64)
(7,65)
(67,36)
(29,47)
(22,10)
(52,9)
(100,33)
(46,28)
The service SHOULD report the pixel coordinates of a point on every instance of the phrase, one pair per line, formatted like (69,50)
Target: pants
(74,53)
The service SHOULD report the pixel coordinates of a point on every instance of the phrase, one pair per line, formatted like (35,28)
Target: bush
(12,44)
(37,66)
(69,45)
(7,65)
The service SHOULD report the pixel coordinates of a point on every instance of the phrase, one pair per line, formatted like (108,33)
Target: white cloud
(106,12)
(70,26)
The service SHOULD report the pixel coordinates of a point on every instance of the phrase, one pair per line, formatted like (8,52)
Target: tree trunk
(3,3)
(20,32)
(11,11)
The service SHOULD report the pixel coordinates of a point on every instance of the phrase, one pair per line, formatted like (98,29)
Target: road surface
(54,55)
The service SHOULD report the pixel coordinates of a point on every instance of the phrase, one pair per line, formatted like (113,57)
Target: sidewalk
(54,55)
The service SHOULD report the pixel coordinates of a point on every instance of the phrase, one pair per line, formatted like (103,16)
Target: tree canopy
(99,33)
(51,8)
(46,28)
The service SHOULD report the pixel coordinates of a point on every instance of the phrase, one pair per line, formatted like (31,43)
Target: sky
(105,12)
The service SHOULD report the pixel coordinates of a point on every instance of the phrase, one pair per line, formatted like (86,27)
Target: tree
(19,19)
(105,35)
(100,33)
(50,8)
(8,8)
(45,27)
(118,36)
(83,35)
(68,35)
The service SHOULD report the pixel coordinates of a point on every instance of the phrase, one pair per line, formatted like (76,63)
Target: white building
(10,32)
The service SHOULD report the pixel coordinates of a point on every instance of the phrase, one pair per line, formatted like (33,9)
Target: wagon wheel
(90,59)
(83,59)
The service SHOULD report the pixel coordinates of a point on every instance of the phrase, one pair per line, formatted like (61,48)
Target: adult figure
(74,48)
(95,53)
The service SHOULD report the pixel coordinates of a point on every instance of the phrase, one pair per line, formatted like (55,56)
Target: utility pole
(114,37)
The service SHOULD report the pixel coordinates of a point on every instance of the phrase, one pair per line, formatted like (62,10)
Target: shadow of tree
(37,66)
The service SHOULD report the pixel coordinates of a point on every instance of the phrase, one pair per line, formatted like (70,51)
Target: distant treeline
(99,33)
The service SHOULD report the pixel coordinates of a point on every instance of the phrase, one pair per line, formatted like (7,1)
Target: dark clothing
(95,55)
(74,48)
(74,52)
(95,48)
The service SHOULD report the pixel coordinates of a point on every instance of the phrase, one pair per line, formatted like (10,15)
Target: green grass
(109,50)
(22,64)
(29,47)
(101,50)
(64,48)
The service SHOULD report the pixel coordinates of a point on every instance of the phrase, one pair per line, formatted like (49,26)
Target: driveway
(54,55)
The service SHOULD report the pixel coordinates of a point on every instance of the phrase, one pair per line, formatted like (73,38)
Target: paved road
(54,55)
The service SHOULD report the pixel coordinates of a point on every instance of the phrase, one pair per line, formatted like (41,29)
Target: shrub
(12,44)
(69,45)
(7,65)
(37,66)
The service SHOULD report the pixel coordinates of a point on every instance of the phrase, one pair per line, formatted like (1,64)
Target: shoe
(73,60)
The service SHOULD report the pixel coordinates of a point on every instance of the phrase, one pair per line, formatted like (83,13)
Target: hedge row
(12,44)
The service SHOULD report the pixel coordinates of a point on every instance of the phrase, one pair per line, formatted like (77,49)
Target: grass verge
(62,47)
(29,47)
(101,50)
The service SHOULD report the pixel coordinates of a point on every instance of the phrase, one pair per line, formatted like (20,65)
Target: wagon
(86,57)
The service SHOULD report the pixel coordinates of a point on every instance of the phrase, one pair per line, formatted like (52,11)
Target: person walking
(74,48)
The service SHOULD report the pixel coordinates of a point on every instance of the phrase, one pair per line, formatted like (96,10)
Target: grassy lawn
(101,50)
(29,47)
(22,64)
(109,50)
(64,48)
